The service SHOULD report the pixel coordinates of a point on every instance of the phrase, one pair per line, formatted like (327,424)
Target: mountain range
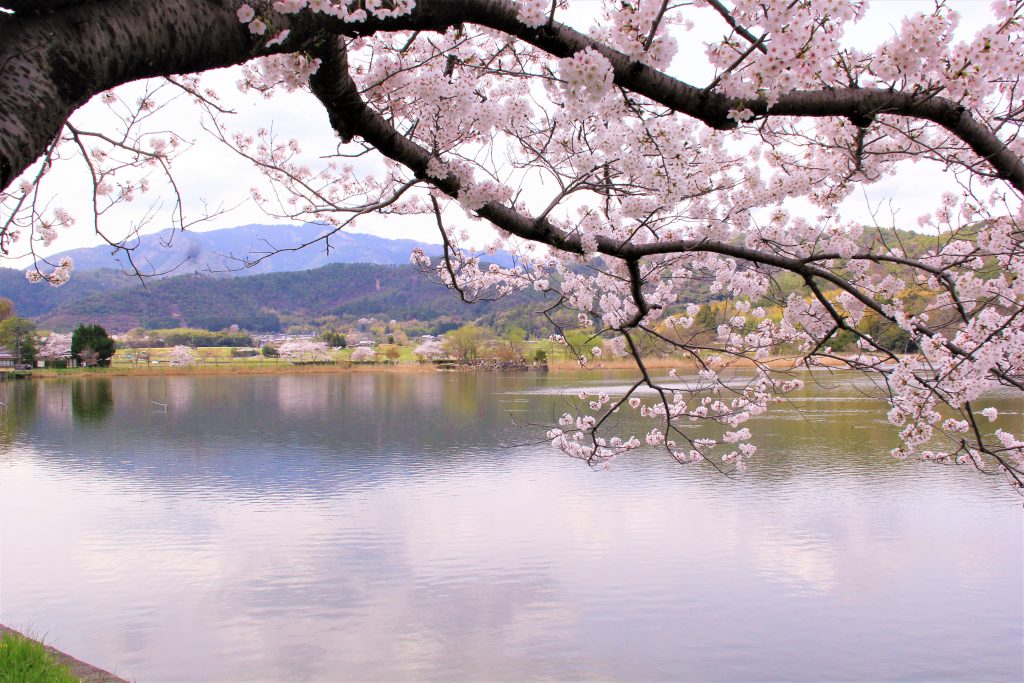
(195,282)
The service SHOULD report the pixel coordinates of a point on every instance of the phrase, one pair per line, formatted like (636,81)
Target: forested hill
(262,302)
(33,300)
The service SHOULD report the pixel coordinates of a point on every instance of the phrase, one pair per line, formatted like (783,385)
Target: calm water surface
(379,526)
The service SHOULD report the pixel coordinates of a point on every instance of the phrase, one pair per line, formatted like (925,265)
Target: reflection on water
(18,407)
(368,526)
(92,400)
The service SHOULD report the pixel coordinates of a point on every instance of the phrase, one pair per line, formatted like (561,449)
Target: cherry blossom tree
(622,181)
(431,349)
(363,354)
(183,356)
(56,348)
(304,351)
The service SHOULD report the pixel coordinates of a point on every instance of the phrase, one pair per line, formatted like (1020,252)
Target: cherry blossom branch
(204,35)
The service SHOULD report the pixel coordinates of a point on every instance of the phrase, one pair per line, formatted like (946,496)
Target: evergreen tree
(90,341)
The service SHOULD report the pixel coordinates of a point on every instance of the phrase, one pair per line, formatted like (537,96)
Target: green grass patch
(25,661)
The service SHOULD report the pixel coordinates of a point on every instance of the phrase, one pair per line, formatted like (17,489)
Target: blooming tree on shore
(620,181)
(57,347)
(304,351)
(183,356)
(363,354)
(431,349)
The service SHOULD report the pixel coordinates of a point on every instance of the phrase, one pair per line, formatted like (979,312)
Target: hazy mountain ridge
(225,251)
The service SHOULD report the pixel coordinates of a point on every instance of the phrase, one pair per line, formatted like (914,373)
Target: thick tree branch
(52,64)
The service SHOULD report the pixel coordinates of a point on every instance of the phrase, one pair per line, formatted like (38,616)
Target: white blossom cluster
(587,74)
(56,277)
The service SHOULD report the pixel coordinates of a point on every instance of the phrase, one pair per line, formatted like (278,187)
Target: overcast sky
(209,174)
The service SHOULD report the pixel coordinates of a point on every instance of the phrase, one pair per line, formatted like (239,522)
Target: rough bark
(27,7)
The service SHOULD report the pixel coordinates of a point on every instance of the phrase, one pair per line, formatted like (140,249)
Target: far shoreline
(223,369)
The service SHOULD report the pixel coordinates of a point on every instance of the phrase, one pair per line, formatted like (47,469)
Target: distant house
(7,359)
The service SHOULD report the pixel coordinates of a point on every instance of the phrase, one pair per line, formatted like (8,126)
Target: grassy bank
(25,661)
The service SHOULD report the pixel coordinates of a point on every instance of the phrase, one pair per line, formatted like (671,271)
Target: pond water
(379,526)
